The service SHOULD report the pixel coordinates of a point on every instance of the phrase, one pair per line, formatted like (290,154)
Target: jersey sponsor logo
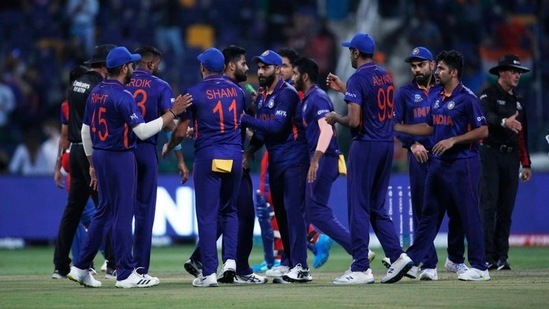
(437,104)
(500,102)
(80,87)
(322,112)
(140,83)
(451,105)
(221,93)
(445,120)
(348,94)
(133,116)
(281,113)
(481,118)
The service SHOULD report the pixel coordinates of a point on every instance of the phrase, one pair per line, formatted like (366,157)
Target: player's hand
(165,150)
(58,178)
(334,82)
(189,133)
(513,124)
(93,182)
(443,145)
(182,102)
(331,118)
(247,157)
(526,174)
(183,171)
(420,153)
(313,169)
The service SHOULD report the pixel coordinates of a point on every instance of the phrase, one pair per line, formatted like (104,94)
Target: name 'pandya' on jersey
(221,93)
(139,82)
(98,98)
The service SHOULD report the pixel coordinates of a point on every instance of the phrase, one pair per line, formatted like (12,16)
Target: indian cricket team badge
(271,103)
(451,105)
(519,106)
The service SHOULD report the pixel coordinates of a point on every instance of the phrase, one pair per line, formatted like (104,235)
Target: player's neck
(450,86)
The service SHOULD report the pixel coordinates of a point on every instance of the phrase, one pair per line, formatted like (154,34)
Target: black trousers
(498,190)
(79,193)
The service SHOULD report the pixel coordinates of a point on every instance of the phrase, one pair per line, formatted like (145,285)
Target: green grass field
(25,283)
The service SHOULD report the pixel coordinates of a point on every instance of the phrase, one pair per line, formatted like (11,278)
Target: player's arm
(146,130)
(182,167)
(469,137)
(351,120)
(176,137)
(63,146)
(326,133)
(88,149)
(421,129)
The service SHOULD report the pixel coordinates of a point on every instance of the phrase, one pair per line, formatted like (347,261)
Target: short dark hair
(289,53)
(75,73)
(233,53)
(453,59)
(309,66)
(148,52)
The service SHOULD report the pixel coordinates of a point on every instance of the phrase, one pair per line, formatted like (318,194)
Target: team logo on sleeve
(519,106)
(451,105)
(271,103)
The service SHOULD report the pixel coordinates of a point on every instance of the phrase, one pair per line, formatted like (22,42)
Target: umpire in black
(502,153)
(79,187)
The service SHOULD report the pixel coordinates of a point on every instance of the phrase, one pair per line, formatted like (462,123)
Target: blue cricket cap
(212,58)
(119,56)
(269,57)
(362,42)
(420,53)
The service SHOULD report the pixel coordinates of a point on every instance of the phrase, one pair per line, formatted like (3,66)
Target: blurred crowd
(42,40)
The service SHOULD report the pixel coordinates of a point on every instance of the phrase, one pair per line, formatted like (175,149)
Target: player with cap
(79,189)
(110,111)
(278,125)
(457,123)
(369,97)
(412,106)
(502,154)
(217,172)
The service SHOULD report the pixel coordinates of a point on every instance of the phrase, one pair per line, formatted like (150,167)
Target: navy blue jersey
(372,88)
(279,122)
(316,104)
(111,113)
(217,106)
(412,106)
(153,96)
(455,115)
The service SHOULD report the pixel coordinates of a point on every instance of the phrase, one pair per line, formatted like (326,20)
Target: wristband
(174,115)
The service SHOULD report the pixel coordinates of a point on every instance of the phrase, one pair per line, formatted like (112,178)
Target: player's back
(152,95)
(374,88)
(111,113)
(217,106)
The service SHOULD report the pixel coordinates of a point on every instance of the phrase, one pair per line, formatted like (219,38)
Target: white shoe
(154,279)
(278,271)
(136,280)
(104,267)
(228,272)
(429,274)
(371,255)
(412,273)
(355,277)
(397,270)
(207,281)
(83,277)
(250,279)
(473,274)
(458,268)
(298,274)
(386,262)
